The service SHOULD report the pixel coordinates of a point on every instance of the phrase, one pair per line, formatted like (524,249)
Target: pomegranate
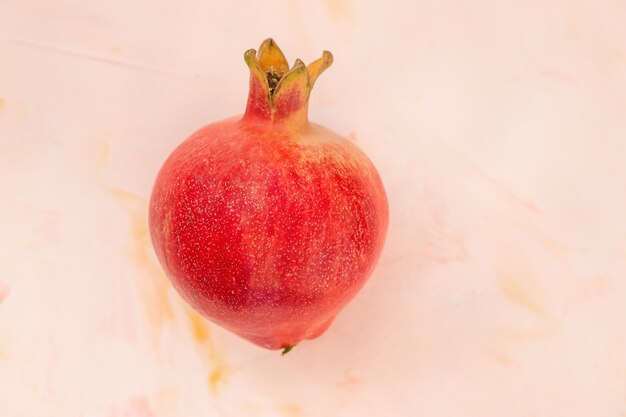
(267,224)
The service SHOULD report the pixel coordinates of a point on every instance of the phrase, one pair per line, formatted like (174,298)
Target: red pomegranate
(267,224)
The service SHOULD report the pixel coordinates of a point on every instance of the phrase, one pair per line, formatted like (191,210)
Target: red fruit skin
(268,232)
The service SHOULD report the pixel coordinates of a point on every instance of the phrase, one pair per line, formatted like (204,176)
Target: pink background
(498,128)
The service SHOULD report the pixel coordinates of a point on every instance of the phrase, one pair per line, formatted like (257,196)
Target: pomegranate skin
(268,229)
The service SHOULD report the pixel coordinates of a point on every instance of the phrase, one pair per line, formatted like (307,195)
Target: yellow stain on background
(199,329)
(201,332)
(514,290)
(154,288)
(290,410)
(518,282)
(217,376)
(339,10)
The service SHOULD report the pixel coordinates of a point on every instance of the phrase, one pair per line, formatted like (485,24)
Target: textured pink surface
(497,127)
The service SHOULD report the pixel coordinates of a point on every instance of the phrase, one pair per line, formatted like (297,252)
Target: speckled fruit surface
(267,224)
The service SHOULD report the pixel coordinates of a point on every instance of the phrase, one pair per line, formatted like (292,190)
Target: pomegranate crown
(277,92)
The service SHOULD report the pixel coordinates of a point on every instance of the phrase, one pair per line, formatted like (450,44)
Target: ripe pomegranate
(267,224)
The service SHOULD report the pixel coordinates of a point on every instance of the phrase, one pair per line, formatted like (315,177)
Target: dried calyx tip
(286,349)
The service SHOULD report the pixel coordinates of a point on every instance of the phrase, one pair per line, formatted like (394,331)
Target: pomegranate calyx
(277,92)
